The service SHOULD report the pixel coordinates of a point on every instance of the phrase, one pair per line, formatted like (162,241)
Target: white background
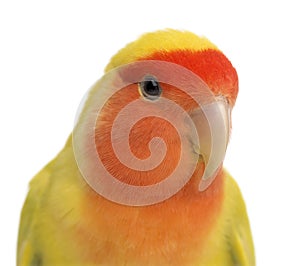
(52,52)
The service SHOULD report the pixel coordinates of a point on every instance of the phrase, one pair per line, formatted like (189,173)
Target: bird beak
(212,123)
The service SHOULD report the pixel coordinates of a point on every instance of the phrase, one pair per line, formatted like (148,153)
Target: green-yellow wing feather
(51,212)
(239,234)
(27,251)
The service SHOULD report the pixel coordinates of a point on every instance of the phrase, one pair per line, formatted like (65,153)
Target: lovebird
(140,181)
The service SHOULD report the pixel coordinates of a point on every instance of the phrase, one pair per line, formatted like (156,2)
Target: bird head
(161,111)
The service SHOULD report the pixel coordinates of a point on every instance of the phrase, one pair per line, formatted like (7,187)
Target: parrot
(140,180)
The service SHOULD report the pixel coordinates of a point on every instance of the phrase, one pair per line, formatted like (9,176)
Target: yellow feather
(164,40)
(52,206)
(233,224)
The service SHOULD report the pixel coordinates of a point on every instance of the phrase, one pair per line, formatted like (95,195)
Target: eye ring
(150,88)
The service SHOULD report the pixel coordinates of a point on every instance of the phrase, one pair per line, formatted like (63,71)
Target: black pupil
(151,87)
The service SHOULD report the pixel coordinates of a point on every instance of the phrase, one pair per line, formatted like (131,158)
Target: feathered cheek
(138,148)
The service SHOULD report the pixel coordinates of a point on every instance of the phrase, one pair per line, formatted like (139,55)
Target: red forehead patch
(210,65)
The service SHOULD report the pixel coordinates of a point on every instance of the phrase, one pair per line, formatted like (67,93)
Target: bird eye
(150,88)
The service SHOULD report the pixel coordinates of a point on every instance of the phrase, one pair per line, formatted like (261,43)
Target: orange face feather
(172,231)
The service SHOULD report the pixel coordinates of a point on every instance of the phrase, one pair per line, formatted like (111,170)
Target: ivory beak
(212,123)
